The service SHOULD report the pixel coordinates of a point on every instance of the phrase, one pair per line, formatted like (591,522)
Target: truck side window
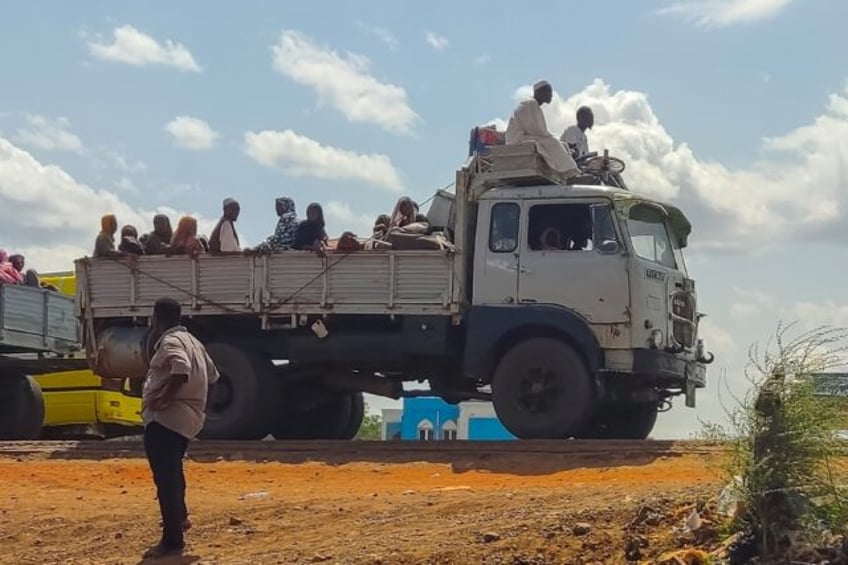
(560,227)
(503,229)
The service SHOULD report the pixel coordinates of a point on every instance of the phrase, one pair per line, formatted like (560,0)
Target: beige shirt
(179,353)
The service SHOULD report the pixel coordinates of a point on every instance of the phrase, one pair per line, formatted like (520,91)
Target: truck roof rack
(509,165)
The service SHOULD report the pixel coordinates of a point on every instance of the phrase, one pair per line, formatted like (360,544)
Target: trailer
(590,337)
(38,334)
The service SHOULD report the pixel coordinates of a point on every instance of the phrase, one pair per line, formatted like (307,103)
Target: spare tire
(238,407)
(21,408)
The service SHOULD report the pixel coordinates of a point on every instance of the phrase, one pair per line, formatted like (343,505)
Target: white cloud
(53,218)
(124,164)
(484,59)
(815,314)
(723,13)
(436,41)
(127,185)
(717,339)
(299,155)
(741,311)
(49,134)
(381,33)
(798,189)
(345,82)
(340,218)
(133,47)
(191,133)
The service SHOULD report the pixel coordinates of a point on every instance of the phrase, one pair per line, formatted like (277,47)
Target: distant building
(432,419)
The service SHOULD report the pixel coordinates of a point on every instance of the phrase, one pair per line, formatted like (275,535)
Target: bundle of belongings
(405,230)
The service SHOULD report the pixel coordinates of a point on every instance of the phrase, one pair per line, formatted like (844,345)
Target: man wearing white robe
(528,124)
(574,137)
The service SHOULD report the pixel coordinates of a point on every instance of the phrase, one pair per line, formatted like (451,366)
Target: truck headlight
(657,339)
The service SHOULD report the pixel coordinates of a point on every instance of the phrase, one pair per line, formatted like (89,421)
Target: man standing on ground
(174,410)
(224,238)
(574,137)
(528,124)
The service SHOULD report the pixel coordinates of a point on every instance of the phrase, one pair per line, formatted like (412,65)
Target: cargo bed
(277,285)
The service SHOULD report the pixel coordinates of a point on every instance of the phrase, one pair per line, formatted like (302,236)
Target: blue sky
(735,109)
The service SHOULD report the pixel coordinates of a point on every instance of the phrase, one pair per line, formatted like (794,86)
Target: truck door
(497,254)
(572,256)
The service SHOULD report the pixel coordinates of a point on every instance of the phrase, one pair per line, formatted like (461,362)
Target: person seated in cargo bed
(185,241)
(224,238)
(310,234)
(286,230)
(104,245)
(159,239)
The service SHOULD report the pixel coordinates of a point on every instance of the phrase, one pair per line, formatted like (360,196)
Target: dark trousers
(165,450)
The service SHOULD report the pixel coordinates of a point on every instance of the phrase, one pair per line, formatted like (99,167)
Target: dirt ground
(522,509)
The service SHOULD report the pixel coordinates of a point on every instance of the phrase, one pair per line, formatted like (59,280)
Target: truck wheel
(355,416)
(337,418)
(238,407)
(622,421)
(21,408)
(542,390)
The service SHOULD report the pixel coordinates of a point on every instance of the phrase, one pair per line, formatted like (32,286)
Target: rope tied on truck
(132,266)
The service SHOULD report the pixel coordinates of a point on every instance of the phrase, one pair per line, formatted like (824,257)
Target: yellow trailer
(78,400)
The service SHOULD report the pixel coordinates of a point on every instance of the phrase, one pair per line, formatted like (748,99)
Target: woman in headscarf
(130,244)
(284,234)
(30,276)
(404,213)
(104,245)
(310,234)
(8,273)
(185,240)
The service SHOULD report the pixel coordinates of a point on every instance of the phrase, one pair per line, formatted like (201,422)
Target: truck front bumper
(664,366)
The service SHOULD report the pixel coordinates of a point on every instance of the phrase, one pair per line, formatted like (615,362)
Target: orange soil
(72,511)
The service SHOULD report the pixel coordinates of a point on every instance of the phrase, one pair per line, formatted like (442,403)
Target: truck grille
(683,306)
(683,314)
(684,333)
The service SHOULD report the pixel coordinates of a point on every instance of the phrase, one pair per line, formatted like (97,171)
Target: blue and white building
(432,419)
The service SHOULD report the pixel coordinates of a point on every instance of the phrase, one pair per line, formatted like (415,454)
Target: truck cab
(592,274)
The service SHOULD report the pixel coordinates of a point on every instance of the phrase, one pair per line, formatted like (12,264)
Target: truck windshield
(650,236)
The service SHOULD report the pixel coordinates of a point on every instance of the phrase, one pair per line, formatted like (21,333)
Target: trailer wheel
(338,417)
(21,408)
(542,390)
(238,405)
(622,421)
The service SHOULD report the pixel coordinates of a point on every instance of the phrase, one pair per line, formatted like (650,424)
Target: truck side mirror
(609,247)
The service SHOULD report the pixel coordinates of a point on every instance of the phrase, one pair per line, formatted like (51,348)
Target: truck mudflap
(691,374)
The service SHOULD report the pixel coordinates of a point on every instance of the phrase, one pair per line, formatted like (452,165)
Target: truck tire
(340,417)
(21,408)
(622,421)
(542,390)
(239,405)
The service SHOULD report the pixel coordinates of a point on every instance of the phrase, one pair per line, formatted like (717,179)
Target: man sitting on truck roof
(528,124)
(574,137)
(224,238)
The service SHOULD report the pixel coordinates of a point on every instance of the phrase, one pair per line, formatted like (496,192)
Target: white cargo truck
(567,305)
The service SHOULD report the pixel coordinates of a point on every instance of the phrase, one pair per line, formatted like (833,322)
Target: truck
(566,304)
(79,403)
(38,335)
